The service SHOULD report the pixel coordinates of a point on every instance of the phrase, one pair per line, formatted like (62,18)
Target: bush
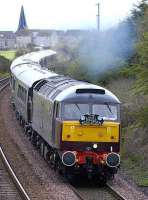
(4,64)
(78,71)
(20,52)
(143,116)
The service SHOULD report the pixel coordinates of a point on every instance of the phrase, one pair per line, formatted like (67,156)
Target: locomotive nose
(113,160)
(68,158)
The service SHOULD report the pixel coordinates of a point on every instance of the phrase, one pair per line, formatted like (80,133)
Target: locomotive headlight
(95,146)
(82,117)
(113,160)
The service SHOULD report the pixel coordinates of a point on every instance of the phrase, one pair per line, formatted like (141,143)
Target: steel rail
(109,188)
(78,194)
(115,193)
(4,79)
(18,185)
(4,83)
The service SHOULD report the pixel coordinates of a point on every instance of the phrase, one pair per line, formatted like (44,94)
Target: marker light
(68,158)
(95,146)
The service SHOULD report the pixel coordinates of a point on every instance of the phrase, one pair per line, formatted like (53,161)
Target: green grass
(134,156)
(142,179)
(8,54)
(138,173)
(4,74)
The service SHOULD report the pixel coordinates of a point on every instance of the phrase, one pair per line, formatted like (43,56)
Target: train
(75,125)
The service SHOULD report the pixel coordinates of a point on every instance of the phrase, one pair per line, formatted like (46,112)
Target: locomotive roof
(65,88)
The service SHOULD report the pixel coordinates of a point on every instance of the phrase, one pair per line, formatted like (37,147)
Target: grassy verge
(138,173)
(134,141)
(8,54)
(134,152)
(4,74)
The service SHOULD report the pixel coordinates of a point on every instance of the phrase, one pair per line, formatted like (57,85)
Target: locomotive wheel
(60,167)
(20,120)
(42,148)
(17,115)
(28,133)
(38,143)
(13,106)
(26,128)
(47,157)
(34,138)
(52,160)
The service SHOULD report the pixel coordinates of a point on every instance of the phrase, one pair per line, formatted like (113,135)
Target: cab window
(74,111)
(106,111)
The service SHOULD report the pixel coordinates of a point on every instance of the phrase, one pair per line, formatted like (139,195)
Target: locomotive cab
(89,130)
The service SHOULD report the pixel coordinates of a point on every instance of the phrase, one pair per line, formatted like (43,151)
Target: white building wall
(2,44)
(43,41)
(23,41)
(10,43)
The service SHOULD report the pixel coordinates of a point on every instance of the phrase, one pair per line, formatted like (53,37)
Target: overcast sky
(63,14)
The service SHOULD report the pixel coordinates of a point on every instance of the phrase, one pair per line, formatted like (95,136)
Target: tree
(78,71)
(20,52)
(138,15)
(141,67)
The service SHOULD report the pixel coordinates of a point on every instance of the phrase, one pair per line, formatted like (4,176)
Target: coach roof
(29,73)
(27,68)
(33,57)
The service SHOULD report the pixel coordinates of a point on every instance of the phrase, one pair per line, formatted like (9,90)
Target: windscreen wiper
(109,108)
(78,108)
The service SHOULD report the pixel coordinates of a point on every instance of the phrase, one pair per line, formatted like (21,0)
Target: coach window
(58,110)
(22,93)
(13,83)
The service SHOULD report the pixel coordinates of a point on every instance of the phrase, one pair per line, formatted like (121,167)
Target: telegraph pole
(98,17)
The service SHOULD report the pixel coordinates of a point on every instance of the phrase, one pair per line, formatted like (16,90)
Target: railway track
(115,193)
(92,192)
(4,82)
(10,187)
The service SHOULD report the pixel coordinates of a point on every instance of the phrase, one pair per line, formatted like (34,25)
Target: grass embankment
(4,74)
(6,58)
(134,142)
(8,54)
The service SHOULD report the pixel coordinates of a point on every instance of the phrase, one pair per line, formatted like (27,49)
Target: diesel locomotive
(74,124)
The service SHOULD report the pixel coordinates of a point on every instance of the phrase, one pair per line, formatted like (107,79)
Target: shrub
(4,64)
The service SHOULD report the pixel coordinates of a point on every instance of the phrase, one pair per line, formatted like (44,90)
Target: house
(23,38)
(7,40)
